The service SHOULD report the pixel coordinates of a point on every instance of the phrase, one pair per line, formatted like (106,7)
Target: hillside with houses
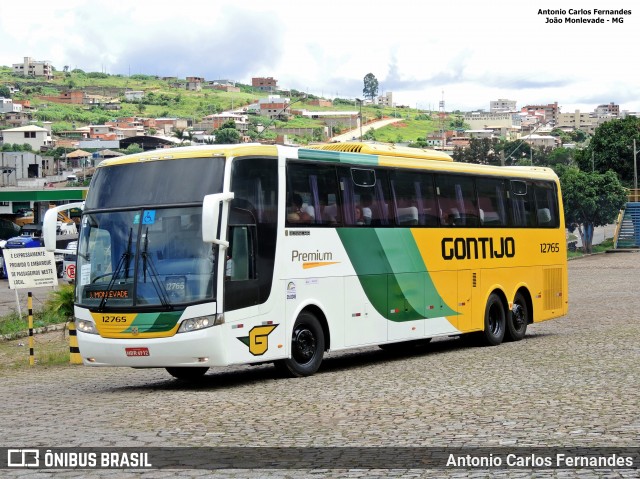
(52,120)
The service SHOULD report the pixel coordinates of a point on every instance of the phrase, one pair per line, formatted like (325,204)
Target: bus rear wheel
(307,347)
(187,374)
(495,320)
(518,319)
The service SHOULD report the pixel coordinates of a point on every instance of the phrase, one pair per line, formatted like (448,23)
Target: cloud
(472,52)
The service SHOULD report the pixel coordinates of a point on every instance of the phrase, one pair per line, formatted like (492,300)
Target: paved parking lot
(573,381)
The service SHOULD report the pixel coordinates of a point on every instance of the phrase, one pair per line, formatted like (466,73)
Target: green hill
(167,98)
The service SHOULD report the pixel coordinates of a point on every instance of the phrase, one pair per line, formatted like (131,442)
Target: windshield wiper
(124,261)
(147,263)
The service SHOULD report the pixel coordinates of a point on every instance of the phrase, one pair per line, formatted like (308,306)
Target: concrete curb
(43,329)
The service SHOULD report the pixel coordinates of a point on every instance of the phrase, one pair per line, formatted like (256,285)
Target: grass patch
(12,324)
(49,349)
(57,309)
(405,130)
(606,245)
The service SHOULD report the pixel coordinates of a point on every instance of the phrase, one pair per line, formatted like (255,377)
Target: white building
(539,141)
(30,67)
(21,165)
(502,105)
(7,106)
(385,99)
(483,120)
(33,135)
(133,95)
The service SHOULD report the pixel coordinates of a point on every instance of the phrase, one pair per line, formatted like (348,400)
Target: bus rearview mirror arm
(210,218)
(49,224)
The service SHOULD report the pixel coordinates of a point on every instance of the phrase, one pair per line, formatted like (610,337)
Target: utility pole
(360,101)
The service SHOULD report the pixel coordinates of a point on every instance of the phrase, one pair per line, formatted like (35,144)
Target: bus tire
(518,319)
(307,347)
(495,320)
(187,374)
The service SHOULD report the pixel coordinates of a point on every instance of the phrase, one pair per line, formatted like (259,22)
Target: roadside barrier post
(30,306)
(74,350)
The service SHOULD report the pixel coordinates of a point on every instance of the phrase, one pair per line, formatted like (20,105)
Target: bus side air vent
(474,280)
(552,292)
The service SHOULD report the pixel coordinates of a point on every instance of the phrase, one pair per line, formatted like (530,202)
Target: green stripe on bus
(155,322)
(392,273)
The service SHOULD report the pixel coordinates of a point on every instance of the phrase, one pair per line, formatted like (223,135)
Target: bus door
(240,278)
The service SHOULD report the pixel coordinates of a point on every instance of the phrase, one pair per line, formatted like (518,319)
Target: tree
(590,199)
(560,156)
(180,134)
(480,150)
(133,148)
(611,148)
(5,92)
(225,136)
(370,89)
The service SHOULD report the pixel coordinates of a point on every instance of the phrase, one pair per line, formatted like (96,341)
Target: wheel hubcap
(518,316)
(494,320)
(304,345)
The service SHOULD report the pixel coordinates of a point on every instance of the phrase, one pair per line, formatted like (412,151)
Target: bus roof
(347,153)
(386,150)
(199,151)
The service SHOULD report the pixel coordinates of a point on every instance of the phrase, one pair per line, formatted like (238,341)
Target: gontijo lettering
(478,248)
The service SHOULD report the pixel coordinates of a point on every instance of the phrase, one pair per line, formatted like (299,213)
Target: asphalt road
(572,382)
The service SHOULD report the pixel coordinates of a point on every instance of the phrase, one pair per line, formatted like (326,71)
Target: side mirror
(49,225)
(211,207)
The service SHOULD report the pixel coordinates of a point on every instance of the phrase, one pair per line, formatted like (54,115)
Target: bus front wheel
(495,320)
(307,347)
(187,374)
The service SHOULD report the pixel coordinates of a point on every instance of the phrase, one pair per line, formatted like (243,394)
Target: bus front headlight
(193,324)
(86,326)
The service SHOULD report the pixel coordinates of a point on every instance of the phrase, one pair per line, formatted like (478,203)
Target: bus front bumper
(202,348)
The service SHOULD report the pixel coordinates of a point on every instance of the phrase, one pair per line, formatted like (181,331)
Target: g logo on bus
(258,339)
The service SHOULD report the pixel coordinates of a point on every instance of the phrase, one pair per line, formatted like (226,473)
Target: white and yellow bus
(196,257)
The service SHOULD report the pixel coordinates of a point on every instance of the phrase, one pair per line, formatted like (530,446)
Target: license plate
(136,351)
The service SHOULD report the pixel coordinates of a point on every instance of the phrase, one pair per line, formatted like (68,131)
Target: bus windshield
(145,257)
(141,242)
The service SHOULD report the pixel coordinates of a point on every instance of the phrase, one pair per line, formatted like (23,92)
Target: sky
(466,53)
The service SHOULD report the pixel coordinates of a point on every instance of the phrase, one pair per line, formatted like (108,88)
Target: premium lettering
(311,256)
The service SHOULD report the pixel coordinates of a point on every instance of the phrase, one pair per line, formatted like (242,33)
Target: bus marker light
(267,322)
(356,315)
(431,306)
(202,360)
(237,326)
(413,329)
(279,346)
